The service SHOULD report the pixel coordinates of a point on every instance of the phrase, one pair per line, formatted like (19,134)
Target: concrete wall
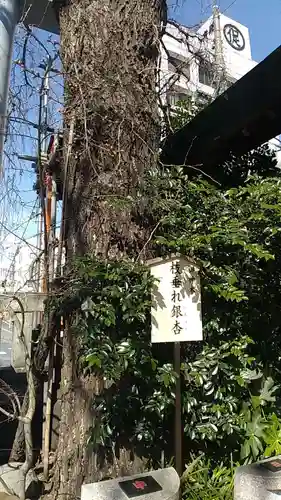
(33,304)
(237,63)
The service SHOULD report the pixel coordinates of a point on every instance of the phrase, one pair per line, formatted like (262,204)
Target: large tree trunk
(110,54)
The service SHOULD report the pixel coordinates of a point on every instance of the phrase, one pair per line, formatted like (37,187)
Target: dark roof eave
(245,116)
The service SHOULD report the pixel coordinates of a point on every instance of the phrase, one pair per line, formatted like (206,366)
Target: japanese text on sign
(176,311)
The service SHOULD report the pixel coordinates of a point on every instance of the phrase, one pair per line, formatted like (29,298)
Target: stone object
(33,304)
(176,300)
(10,478)
(161,484)
(259,481)
(6,496)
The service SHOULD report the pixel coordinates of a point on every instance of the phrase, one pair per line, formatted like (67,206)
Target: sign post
(178,412)
(176,317)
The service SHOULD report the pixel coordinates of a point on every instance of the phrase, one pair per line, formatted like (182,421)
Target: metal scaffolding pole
(10,11)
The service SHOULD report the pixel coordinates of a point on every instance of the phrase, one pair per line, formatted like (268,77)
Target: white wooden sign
(176,311)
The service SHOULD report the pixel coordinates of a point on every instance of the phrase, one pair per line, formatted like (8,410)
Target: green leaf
(93,360)
(256,401)
(255,433)
(268,389)
(153,364)
(273,437)
(249,375)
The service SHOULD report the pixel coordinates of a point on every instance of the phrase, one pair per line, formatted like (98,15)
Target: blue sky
(22,139)
(263,23)
(263,18)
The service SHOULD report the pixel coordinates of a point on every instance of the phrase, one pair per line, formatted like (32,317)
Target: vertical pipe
(48,208)
(10,11)
(51,200)
(44,146)
(38,267)
(42,267)
(53,227)
(48,202)
(45,109)
(51,224)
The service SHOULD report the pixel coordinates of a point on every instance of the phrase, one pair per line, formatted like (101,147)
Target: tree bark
(110,52)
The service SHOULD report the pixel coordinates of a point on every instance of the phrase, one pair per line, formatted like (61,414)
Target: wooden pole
(52,233)
(178,412)
(51,228)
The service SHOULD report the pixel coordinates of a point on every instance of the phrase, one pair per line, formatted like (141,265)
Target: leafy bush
(236,236)
(230,382)
(201,481)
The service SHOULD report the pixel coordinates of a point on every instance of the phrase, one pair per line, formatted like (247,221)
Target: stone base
(5,496)
(256,482)
(168,479)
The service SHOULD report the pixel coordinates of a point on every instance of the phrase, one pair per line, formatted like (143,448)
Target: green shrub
(201,481)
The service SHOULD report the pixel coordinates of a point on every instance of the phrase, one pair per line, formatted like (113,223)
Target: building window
(174,97)
(206,73)
(179,65)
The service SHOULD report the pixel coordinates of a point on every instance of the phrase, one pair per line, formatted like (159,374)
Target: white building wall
(192,46)
(16,257)
(201,43)
(237,62)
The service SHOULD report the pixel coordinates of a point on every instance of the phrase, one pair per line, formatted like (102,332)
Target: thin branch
(7,414)
(149,239)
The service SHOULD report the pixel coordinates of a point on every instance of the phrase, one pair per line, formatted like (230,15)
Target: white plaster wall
(15,260)
(180,47)
(237,63)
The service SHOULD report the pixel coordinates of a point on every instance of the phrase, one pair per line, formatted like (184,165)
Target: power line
(230,5)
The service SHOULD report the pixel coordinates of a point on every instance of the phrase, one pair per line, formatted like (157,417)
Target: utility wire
(230,5)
